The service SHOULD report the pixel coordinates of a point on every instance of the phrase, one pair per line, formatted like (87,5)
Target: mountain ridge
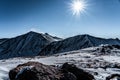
(75,43)
(33,44)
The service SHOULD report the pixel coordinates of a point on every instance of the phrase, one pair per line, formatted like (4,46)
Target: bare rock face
(38,71)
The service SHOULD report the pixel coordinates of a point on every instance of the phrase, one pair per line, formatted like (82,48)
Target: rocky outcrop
(79,73)
(38,71)
(113,76)
(107,50)
(33,71)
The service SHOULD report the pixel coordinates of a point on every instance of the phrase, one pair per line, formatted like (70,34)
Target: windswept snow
(85,59)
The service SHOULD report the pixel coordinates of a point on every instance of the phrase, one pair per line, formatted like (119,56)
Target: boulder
(79,73)
(33,71)
(39,71)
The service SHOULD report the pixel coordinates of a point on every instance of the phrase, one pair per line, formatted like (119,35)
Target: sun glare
(77,6)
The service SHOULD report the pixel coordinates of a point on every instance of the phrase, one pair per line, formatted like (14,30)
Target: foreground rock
(79,73)
(38,71)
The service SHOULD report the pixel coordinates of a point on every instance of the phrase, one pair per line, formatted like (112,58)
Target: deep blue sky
(102,18)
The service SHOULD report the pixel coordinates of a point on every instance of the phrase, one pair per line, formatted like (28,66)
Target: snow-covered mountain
(75,43)
(29,44)
(32,44)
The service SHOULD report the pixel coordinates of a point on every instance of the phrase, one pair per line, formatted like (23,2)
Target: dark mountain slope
(75,43)
(29,44)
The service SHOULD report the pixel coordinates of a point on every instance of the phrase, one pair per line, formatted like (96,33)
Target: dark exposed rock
(116,46)
(107,50)
(113,76)
(33,71)
(95,73)
(68,76)
(79,73)
(38,71)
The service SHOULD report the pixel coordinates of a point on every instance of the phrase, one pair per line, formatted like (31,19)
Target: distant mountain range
(33,44)
(75,43)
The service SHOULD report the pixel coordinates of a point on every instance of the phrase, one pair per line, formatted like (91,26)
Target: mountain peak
(84,35)
(33,32)
(28,44)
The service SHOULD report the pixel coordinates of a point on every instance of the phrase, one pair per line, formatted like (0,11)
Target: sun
(77,7)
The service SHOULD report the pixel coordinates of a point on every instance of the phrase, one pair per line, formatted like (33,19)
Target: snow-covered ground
(84,59)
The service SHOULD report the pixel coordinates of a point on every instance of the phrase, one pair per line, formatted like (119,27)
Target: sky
(101,18)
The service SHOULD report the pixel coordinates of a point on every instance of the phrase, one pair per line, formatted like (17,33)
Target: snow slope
(85,59)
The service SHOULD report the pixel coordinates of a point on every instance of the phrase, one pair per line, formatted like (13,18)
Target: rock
(68,76)
(33,71)
(38,71)
(95,73)
(79,73)
(113,76)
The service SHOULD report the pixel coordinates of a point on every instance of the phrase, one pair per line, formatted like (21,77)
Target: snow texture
(86,59)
